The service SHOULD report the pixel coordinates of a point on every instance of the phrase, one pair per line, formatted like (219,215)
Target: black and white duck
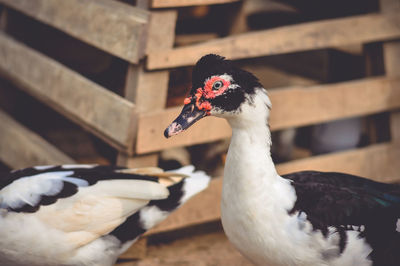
(85,214)
(303,218)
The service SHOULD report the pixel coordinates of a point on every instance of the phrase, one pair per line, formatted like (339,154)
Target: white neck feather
(249,151)
(249,170)
(255,199)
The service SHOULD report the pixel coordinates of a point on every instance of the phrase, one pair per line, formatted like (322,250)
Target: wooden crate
(294,106)
(143,36)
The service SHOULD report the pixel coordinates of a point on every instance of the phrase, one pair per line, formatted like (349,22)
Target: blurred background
(98,81)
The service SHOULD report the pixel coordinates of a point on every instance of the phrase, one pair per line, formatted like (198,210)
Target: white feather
(151,216)
(256,202)
(74,230)
(30,189)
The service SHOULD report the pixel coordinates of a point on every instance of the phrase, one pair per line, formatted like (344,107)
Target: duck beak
(190,114)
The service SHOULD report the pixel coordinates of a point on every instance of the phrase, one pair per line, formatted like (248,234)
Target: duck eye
(217,85)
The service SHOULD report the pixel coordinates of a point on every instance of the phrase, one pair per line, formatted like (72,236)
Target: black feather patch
(343,201)
(130,229)
(173,201)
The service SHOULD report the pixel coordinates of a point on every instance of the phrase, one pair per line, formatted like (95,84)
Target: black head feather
(214,65)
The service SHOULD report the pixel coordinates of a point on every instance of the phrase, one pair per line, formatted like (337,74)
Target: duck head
(219,88)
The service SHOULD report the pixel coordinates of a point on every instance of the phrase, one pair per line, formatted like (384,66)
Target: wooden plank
(191,38)
(20,147)
(313,35)
(391,56)
(378,162)
(147,160)
(148,90)
(161,30)
(179,3)
(137,251)
(292,107)
(391,53)
(112,26)
(100,111)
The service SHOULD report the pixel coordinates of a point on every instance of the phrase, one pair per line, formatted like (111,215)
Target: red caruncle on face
(208,93)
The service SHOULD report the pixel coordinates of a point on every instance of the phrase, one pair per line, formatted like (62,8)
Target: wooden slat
(378,162)
(292,107)
(102,112)
(148,90)
(179,3)
(147,160)
(161,30)
(301,37)
(112,26)
(391,56)
(20,147)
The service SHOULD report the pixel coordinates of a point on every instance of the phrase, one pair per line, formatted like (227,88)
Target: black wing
(341,200)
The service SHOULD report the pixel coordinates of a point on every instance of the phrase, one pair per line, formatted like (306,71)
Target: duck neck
(250,148)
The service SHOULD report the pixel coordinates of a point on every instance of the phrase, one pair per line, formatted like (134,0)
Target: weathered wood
(186,39)
(391,56)
(138,161)
(292,107)
(313,35)
(20,147)
(178,3)
(112,26)
(391,52)
(161,30)
(100,111)
(148,90)
(137,251)
(378,162)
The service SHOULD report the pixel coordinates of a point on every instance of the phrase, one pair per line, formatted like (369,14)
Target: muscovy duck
(85,214)
(304,218)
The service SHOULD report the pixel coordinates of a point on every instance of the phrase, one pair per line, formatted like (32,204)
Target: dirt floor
(205,246)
